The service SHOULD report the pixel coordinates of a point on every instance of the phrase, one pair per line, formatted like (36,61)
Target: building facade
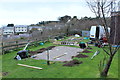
(35,27)
(21,28)
(8,30)
(11,29)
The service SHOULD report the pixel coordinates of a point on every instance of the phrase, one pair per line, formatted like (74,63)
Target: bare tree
(103,9)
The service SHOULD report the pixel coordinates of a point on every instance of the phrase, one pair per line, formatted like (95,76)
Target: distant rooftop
(21,25)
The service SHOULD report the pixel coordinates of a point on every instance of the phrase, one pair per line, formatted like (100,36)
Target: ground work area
(59,53)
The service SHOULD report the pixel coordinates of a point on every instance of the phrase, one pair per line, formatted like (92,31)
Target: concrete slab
(59,53)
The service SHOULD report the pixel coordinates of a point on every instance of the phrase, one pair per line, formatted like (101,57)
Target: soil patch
(4,73)
(65,61)
(89,48)
(50,47)
(41,50)
(80,56)
(86,51)
(72,63)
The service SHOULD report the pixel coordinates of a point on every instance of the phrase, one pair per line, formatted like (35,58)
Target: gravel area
(59,53)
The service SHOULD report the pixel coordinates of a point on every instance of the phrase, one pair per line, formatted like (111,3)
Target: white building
(36,27)
(8,30)
(21,28)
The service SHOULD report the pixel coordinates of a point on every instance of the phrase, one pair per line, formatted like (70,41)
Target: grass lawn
(89,68)
(0,67)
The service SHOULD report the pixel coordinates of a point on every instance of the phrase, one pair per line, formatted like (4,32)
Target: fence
(13,44)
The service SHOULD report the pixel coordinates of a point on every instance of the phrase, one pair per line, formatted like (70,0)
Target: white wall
(21,28)
(8,30)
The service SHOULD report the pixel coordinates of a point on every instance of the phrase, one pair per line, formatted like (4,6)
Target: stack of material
(57,42)
(65,43)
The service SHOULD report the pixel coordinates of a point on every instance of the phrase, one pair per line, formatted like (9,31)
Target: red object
(99,46)
(104,39)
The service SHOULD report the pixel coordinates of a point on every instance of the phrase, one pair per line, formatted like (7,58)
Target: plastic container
(41,43)
(86,38)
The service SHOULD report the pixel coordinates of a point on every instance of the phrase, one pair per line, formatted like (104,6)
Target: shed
(85,33)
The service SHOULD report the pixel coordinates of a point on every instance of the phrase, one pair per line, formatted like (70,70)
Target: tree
(75,17)
(10,25)
(64,19)
(103,9)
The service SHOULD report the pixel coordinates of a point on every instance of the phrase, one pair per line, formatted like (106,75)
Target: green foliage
(5,52)
(89,18)
(22,38)
(64,18)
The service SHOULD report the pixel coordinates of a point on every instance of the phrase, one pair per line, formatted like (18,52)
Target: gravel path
(59,53)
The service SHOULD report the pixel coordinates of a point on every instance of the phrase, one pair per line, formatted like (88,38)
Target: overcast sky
(33,11)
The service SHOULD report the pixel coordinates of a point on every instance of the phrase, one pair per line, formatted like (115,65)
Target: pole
(48,62)
(2,49)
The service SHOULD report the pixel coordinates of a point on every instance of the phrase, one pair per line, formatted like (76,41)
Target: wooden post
(2,49)
(16,44)
(48,62)
(29,66)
